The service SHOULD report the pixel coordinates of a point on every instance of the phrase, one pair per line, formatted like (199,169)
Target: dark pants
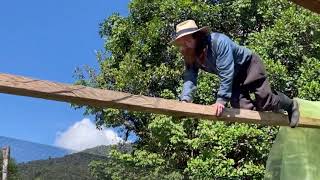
(252,78)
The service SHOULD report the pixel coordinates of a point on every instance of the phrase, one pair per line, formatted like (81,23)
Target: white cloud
(83,135)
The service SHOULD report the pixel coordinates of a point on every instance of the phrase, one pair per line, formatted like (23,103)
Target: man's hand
(218,108)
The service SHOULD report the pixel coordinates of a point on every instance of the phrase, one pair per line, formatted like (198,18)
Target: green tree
(138,59)
(290,49)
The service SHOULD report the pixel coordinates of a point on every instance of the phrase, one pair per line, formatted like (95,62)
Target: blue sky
(47,40)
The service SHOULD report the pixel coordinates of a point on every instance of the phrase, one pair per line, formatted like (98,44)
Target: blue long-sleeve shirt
(224,57)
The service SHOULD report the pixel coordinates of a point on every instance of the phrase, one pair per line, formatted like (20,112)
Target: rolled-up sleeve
(225,67)
(190,83)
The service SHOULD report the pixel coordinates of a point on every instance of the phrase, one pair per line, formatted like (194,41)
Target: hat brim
(204,29)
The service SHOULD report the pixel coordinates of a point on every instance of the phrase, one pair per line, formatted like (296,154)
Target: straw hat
(187,27)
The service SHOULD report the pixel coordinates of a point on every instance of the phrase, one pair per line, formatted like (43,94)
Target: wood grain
(313,5)
(19,85)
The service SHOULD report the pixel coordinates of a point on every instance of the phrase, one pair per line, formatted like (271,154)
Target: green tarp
(295,154)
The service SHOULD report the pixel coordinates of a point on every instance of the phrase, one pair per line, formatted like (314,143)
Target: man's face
(187,45)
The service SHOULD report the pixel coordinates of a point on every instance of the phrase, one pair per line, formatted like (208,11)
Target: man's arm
(190,83)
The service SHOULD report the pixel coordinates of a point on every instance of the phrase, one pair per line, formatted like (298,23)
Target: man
(241,72)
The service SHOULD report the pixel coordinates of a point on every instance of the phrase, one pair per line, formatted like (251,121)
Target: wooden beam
(18,85)
(313,5)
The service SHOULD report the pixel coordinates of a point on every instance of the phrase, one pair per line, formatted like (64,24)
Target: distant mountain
(24,151)
(104,150)
(43,162)
(69,167)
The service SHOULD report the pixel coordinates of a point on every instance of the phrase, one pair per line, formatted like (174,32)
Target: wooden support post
(18,85)
(6,157)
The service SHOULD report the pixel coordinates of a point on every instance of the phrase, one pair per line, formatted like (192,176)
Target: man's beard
(189,56)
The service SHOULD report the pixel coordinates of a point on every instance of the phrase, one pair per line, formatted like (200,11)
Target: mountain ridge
(25,151)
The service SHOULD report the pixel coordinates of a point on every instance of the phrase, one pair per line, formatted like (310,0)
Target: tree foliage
(138,59)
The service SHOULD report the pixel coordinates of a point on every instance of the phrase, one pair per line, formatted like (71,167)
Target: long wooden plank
(313,5)
(19,85)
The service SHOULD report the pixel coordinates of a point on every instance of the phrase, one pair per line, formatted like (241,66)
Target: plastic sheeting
(295,154)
